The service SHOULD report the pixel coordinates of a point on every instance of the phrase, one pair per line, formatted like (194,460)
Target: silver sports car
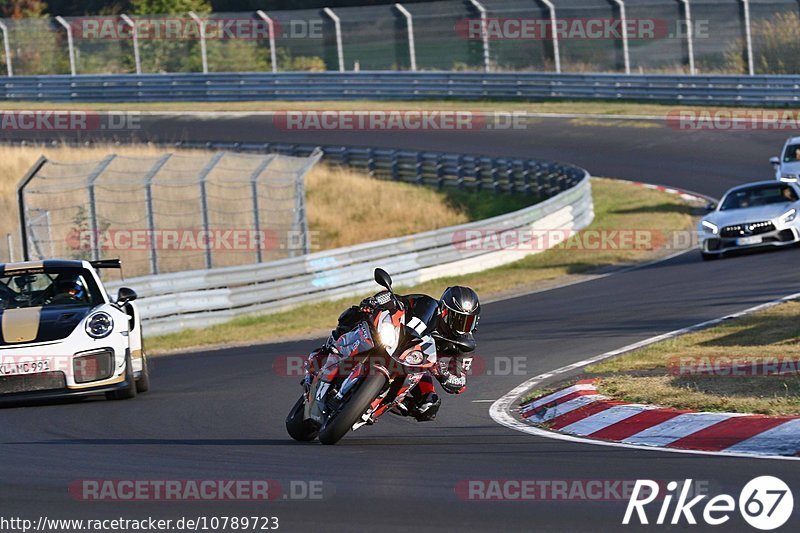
(749,216)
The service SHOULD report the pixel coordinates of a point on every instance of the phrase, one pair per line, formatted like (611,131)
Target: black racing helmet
(459,309)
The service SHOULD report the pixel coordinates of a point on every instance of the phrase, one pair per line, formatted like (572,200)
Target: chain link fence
(636,36)
(171,213)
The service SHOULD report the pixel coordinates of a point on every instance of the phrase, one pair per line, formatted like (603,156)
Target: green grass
(644,375)
(618,205)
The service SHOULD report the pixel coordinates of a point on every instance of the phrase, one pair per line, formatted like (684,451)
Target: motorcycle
(368,372)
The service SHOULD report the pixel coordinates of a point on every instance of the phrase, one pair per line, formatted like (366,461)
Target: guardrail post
(393,166)
(412,48)
(135,36)
(337,26)
(371,162)
(687,10)
(556,52)
(271,30)
(202,29)
(7,48)
(418,169)
(148,198)
(70,43)
(484,34)
(90,181)
(256,208)
(204,200)
(748,37)
(626,58)
(439,171)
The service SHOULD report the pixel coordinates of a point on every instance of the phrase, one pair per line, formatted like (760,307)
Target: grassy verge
(618,206)
(590,108)
(711,370)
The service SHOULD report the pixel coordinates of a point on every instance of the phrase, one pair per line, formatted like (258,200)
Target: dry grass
(346,208)
(642,375)
(334,217)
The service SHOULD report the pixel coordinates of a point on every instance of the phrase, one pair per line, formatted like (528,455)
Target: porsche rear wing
(106,263)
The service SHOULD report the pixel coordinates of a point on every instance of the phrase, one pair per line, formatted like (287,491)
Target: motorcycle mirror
(383,278)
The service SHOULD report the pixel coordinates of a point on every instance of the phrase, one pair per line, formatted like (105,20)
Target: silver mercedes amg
(759,214)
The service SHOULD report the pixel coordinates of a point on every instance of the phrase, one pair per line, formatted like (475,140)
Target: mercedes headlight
(388,334)
(788,216)
(99,325)
(710,227)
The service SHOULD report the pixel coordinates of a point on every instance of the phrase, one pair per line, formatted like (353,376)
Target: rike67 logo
(765,503)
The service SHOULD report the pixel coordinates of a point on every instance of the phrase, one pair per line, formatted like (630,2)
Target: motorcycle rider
(451,322)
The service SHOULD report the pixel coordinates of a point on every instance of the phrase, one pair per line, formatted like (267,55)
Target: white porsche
(760,214)
(62,335)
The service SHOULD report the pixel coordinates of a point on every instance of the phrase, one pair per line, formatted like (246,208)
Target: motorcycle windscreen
(356,341)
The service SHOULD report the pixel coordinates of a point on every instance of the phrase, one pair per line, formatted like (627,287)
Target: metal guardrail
(172,302)
(383,85)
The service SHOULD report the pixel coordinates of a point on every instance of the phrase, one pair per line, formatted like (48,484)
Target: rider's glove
(452,380)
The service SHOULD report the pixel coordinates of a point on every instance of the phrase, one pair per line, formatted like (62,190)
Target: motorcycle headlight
(710,227)
(99,325)
(788,216)
(388,334)
(414,357)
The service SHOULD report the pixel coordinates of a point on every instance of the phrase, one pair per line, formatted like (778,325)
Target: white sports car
(787,166)
(62,335)
(749,216)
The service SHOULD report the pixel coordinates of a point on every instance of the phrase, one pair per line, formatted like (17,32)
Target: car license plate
(744,241)
(13,368)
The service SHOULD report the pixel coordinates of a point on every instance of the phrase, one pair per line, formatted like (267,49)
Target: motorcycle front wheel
(342,421)
(299,428)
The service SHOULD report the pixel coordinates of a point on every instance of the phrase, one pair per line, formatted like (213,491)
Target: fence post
(148,196)
(6,48)
(748,37)
(202,28)
(70,43)
(412,48)
(484,34)
(689,35)
(256,209)
(204,200)
(337,25)
(10,244)
(23,223)
(135,36)
(556,52)
(90,181)
(301,218)
(626,58)
(271,30)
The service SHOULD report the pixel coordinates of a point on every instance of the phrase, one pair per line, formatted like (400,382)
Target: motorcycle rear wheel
(342,422)
(299,428)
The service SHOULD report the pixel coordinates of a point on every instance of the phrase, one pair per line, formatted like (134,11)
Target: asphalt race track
(219,415)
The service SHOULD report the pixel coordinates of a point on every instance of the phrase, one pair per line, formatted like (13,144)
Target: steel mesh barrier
(172,213)
(661,36)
